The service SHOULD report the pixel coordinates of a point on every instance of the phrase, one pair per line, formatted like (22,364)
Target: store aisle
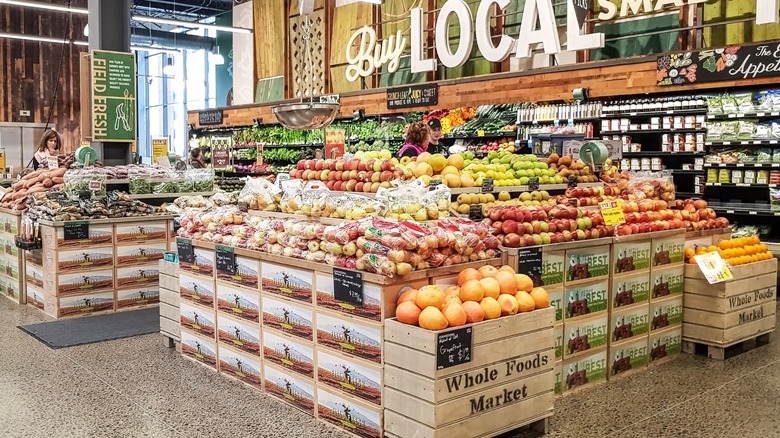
(138,388)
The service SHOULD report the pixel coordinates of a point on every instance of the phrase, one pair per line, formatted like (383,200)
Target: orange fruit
(524,282)
(491,286)
(431,318)
(724,244)
(712,248)
(525,303)
(488,271)
(429,296)
(508,303)
(507,268)
(408,313)
(407,295)
(468,274)
(472,290)
(491,307)
(541,298)
(474,312)
(454,314)
(506,282)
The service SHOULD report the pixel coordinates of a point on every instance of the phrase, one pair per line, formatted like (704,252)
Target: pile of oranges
(735,252)
(481,294)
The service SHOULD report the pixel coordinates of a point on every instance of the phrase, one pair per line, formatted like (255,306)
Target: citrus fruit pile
(735,252)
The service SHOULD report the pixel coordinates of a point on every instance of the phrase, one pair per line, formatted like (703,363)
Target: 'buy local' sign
(366,54)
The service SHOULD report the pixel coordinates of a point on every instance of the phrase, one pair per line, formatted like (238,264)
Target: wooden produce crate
(169,302)
(12,272)
(724,314)
(507,383)
(695,239)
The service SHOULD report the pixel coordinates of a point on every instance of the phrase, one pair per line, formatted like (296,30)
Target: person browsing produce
(196,159)
(416,140)
(50,143)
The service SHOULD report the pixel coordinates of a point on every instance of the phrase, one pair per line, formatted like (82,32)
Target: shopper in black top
(435,144)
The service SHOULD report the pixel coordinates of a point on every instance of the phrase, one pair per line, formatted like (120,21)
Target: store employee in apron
(50,144)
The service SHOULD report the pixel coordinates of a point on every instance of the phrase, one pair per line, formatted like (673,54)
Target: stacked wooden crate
(12,276)
(169,302)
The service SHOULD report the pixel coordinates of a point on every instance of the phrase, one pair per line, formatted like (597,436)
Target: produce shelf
(742,115)
(762,186)
(295,145)
(688,195)
(742,143)
(680,112)
(656,131)
(746,209)
(663,154)
(516,189)
(687,172)
(169,196)
(741,165)
(552,122)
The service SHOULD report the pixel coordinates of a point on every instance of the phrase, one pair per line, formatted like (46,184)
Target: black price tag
(185,250)
(479,155)
(435,182)
(487,185)
(572,181)
(348,286)
(529,262)
(574,202)
(475,212)
(454,347)
(243,206)
(533,184)
(176,226)
(226,259)
(76,230)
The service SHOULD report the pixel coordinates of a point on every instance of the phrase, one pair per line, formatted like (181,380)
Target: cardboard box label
(586,370)
(137,297)
(196,290)
(552,269)
(348,415)
(669,250)
(247,273)
(238,303)
(349,336)
(629,323)
(631,256)
(666,313)
(137,276)
(350,377)
(79,259)
(197,319)
(82,305)
(35,297)
(287,282)
(140,255)
(585,335)
(558,331)
(558,377)
(78,283)
(628,356)
(585,300)
(34,275)
(629,290)
(668,281)
(98,234)
(583,264)
(242,367)
(203,264)
(290,389)
(289,318)
(200,349)
(141,232)
(372,299)
(239,335)
(289,354)
(556,301)
(665,343)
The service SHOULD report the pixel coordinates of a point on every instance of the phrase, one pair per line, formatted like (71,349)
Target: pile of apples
(355,175)
(481,294)
(530,226)
(696,215)
(588,196)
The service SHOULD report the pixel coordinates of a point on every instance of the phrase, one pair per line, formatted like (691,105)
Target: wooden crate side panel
(488,424)
(467,382)
(727,337)
(425,364)
(731,288)
(730,320)
(485,331)
(169,312)
(731,304)
(739,272)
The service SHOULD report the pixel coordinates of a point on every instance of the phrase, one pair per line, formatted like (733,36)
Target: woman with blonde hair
(50,144)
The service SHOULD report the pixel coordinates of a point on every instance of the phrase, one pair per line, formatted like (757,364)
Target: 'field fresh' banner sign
(113,96)
(366,54)
(730,63)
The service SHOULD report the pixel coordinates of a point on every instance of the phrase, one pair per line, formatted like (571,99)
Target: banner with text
(113,96)
(725,64)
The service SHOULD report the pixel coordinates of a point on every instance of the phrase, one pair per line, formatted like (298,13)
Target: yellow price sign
(714,268)
(159,148)
(612,212)
(480,133)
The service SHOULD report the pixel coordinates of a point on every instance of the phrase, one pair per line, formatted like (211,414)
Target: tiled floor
(138,388)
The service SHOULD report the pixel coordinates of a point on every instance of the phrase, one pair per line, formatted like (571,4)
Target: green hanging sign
(113,96)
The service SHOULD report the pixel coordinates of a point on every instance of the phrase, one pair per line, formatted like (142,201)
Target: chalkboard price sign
(487,185)
(572,181)
(348,286)
(475,213)
(454,347)
(533,184)
(185,250)
(76,230)
(226,259)
(529,262)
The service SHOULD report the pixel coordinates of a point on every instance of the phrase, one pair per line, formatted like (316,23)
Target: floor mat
(91,329)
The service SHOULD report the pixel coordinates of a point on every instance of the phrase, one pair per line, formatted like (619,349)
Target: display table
(95,266)
(12,284)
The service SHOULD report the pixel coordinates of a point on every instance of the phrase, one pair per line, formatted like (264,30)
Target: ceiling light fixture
(39,39)
(48,6)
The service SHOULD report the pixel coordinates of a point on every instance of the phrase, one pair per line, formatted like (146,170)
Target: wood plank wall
(29,68)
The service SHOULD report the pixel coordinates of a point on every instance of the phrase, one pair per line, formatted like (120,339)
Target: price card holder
(572,182)
(226,259)
(76,230)
(52,163)
(475,212)
(529,262)
(612,212)
(533,184)
(185,250)
(714,268)
(480,133)
(487,185)
(348,286)
(479,155)
(95,185)
(434,183)
(454,347)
